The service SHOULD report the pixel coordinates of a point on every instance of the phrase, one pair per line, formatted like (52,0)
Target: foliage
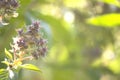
(110,20)
(83,38)
(27,45)
(30,67)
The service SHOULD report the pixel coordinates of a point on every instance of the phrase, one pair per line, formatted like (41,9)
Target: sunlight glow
(69,17)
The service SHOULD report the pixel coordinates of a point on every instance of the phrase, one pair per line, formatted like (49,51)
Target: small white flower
(2,22)
(15,39)
(15,14)
(11,73)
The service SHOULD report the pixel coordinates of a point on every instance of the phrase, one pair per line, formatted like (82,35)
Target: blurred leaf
(5,62)
(114,66)
(107,20)
(2,71)
(8,54)
(30,67)
(3,74)
(113,2)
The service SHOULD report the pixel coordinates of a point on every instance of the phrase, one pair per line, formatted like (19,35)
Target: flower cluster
(27,45)
(8,8)
(30,41)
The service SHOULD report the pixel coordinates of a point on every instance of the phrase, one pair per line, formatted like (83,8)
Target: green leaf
(2,71)
(30,67)
(5,62)
(3,74)
(107,20)
(113,2)
(8,54)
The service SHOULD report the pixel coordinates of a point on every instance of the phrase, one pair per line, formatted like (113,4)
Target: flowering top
(8,8)
(30,41)
(27,45)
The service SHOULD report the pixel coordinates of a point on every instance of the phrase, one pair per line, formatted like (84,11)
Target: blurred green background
(83,36)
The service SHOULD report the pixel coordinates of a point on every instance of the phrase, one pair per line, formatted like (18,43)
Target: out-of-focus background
(83,38)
